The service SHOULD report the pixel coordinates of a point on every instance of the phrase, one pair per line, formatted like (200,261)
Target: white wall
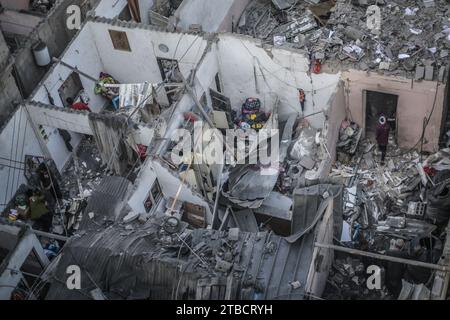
(140,64)
(278,72)
(169,184)
(92,52)
(82,53)
(208,13)
(110,9)
(144,7)
(17,139)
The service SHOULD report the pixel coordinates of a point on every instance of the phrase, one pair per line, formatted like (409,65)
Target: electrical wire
(287,70)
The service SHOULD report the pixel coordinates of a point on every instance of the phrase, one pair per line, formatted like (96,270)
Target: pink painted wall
(415,101)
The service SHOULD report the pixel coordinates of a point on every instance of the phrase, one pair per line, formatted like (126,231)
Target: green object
(37,207)
(21,200)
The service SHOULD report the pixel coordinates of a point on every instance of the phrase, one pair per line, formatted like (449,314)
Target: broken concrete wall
(81,53)
(169,183)
(61,118)
(17,139)
(9,92)
(4,50)
(322,258)
(335,115)
(212,15)
(247,69)
(54,33)
(415,102)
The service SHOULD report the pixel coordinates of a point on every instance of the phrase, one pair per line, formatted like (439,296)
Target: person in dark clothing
(302,98)
(382,137)
(48,182)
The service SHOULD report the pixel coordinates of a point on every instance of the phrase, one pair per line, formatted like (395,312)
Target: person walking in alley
(383,137)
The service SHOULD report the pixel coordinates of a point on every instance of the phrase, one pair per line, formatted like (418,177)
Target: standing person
(383,137)
(302,98)
(49,184)
(77,105)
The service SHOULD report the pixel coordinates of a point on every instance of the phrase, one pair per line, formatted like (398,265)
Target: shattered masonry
(89,176)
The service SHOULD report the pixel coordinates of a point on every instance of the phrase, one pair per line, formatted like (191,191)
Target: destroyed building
(31,32)
(405,63)
(97,131)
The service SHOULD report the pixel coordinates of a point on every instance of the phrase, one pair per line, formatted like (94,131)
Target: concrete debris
(348,281)
(345,36)
(349,136)
(412,291)
(130,217)
(233,234)
(391,209)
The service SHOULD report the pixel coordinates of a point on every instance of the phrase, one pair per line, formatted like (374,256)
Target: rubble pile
(265,21)
(412,38)
(420,29)
(347,281)
(304,157)
(399,209)
(42,6)
(349,135)
(88,171)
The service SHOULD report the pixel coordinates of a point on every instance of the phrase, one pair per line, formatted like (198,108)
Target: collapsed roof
(413,38)
(163,259)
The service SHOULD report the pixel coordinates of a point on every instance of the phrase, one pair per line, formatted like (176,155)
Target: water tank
(41,54)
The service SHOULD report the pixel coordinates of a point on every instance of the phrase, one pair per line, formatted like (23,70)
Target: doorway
(377,104)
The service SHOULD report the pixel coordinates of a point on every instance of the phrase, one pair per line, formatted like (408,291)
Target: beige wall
(335,114)
(415,101)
